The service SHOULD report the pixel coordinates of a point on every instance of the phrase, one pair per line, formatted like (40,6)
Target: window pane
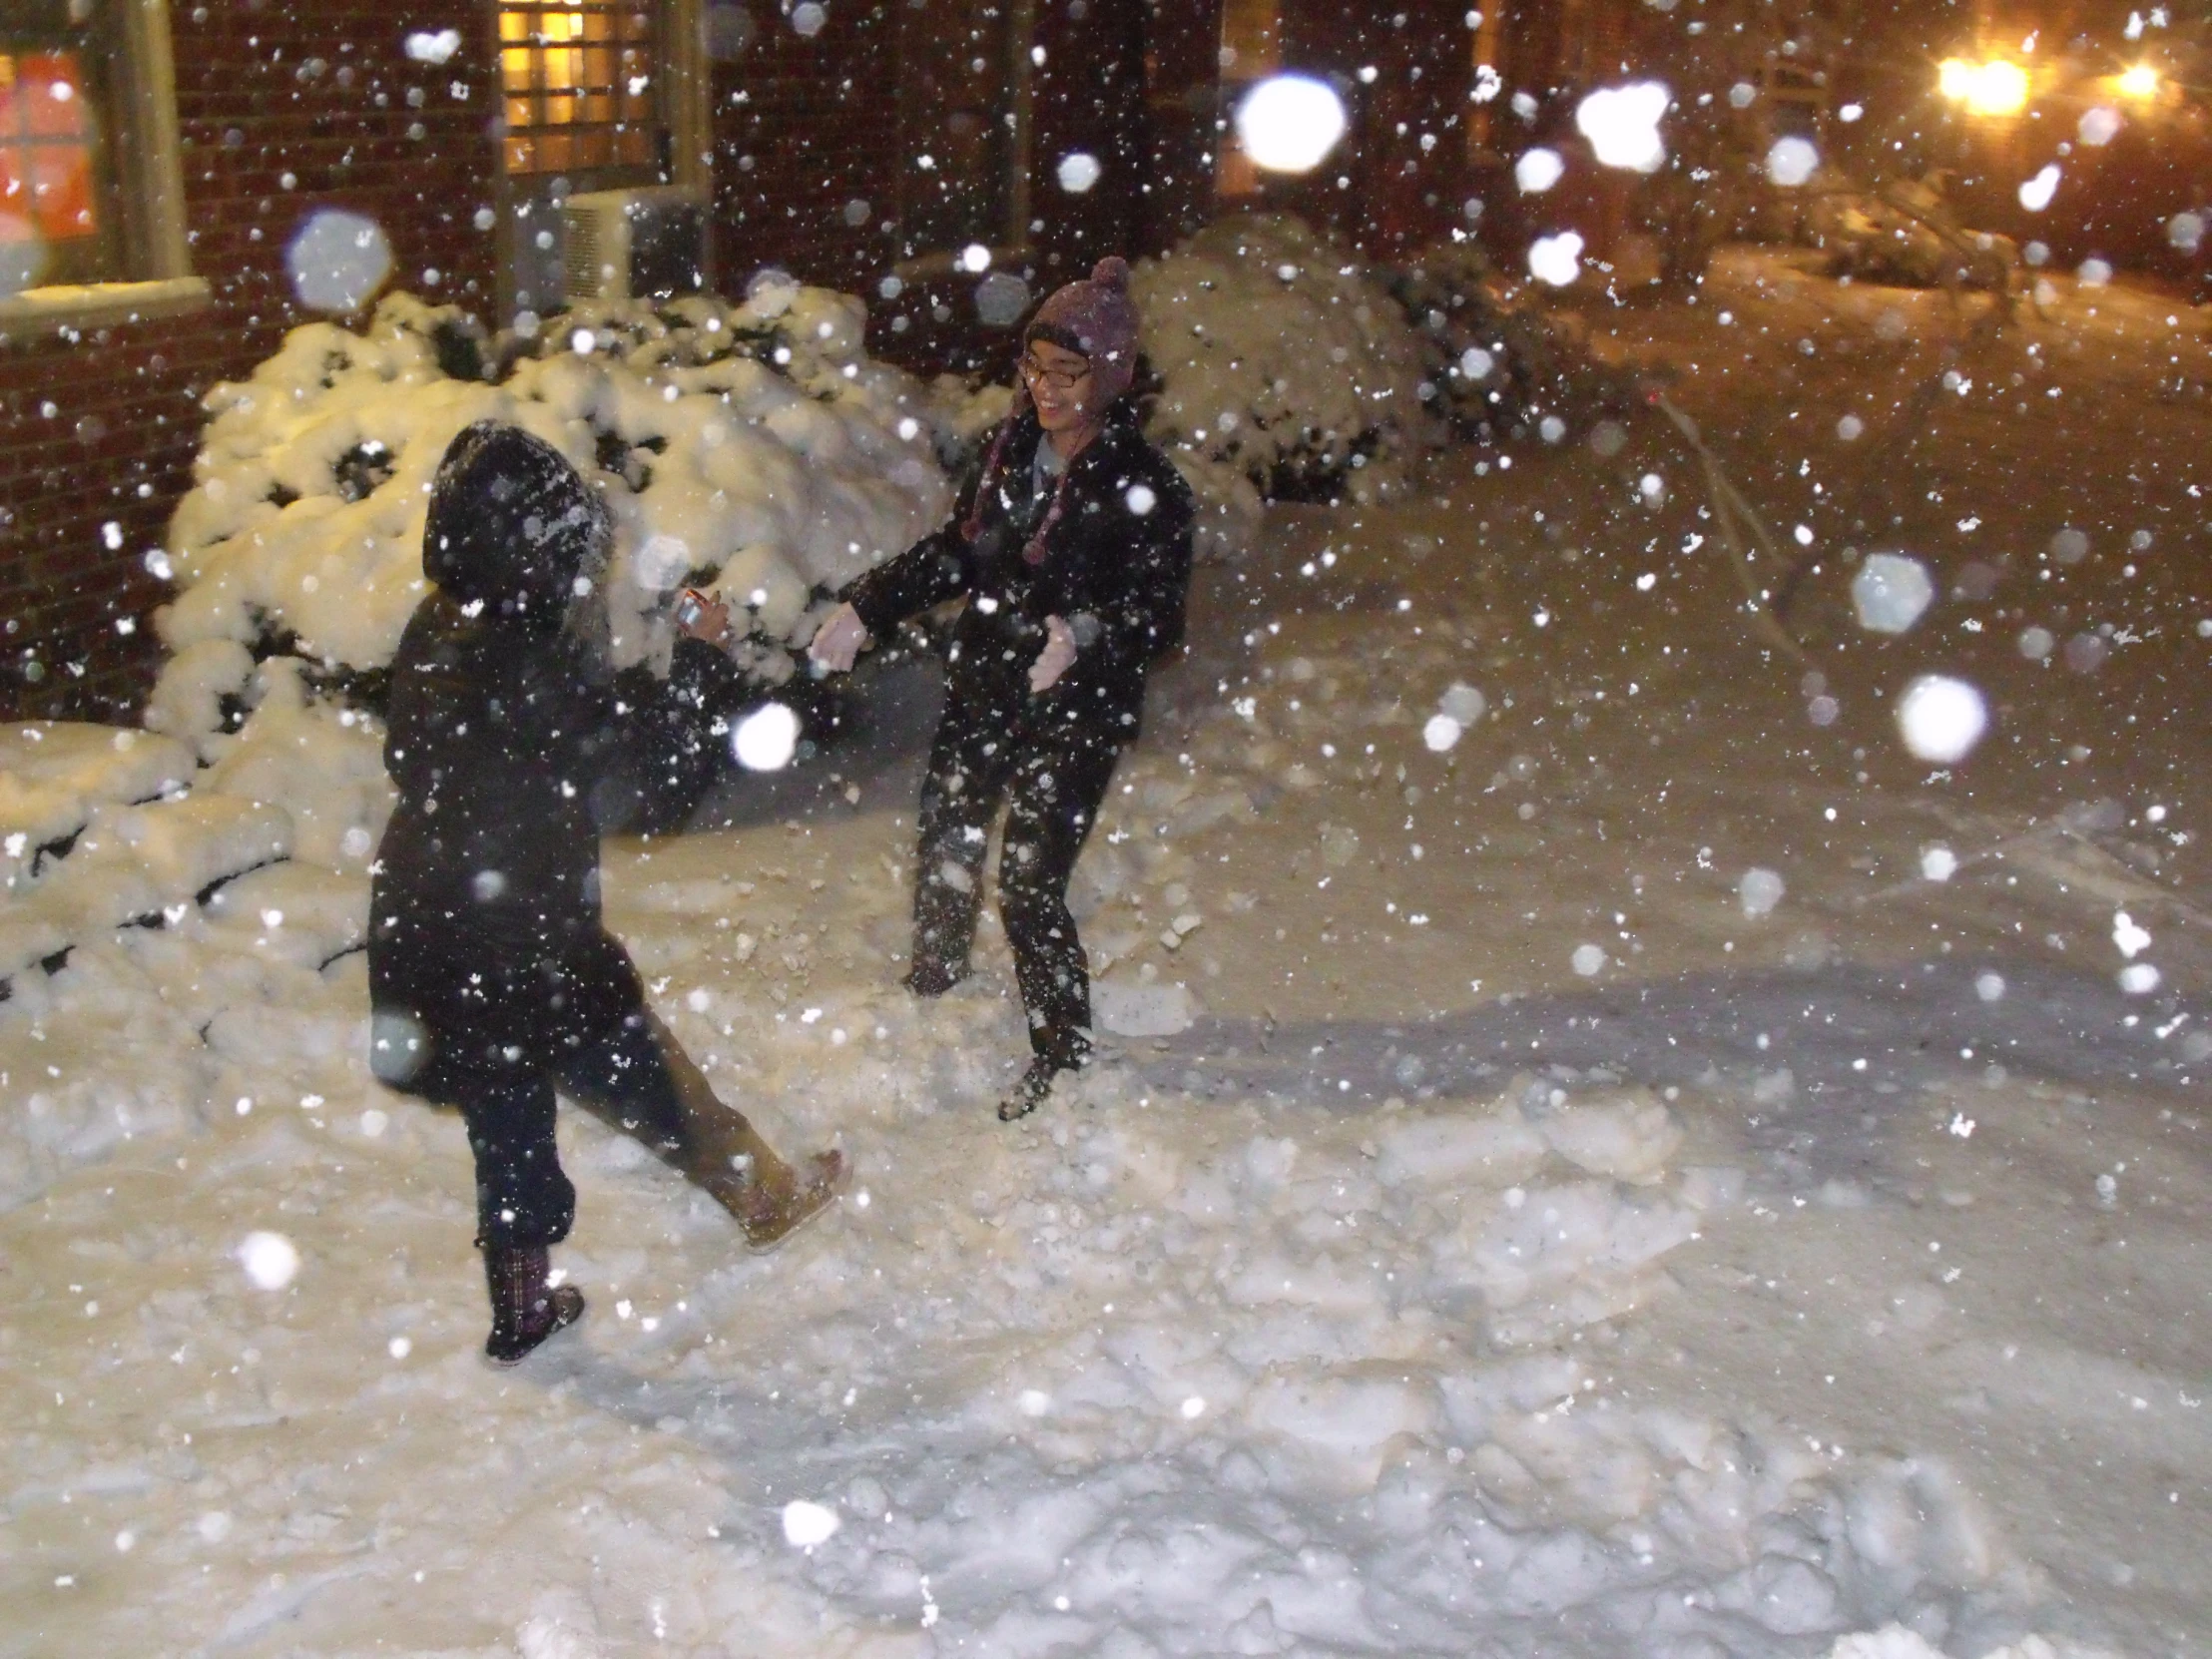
(49,166)
(585,58)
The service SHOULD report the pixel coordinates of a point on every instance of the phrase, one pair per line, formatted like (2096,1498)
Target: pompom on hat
(1101,319)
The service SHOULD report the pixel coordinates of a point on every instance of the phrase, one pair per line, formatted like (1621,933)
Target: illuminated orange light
(1992,88)
(2140,82)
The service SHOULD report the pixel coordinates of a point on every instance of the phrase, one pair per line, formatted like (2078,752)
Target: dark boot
(525,1309)
(930,977)
(1034,1089)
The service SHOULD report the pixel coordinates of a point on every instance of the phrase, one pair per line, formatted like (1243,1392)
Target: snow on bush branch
(754,451)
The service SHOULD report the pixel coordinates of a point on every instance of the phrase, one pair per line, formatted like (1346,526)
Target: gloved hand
(712,624)
(838,640)
(1057,656)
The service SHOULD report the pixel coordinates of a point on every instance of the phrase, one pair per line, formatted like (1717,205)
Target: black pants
(636,1079)
(1052,786)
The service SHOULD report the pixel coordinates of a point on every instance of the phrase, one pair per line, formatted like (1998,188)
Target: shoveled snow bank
(751,450)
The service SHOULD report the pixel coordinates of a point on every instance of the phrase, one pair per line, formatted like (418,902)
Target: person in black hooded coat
(492,978)
(1072,546)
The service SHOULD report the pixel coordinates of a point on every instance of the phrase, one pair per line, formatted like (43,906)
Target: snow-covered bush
(1285,370)
(753,450)
(1500,367)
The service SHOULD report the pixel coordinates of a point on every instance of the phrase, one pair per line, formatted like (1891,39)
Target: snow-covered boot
(525,1309)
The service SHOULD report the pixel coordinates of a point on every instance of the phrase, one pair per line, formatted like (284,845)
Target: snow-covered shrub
(753,450)
(1500,366)
(1285,370)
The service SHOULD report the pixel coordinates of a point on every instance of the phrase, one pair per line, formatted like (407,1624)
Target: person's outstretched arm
(929,573)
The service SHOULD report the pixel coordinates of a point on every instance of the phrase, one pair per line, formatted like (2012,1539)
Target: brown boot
(725,1154)
(525,1309)
(770,1200)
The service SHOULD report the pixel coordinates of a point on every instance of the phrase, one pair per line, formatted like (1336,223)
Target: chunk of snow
(1759,890)
(338,261)
(808,1525)
(2098,126)
(2139,979)
(1538,170)
(1792,160)
(1140,1010)
(2035,192)
(269,1259)
(1079,170)
(1622,125)
(1289,123)
(1556,259)
(765,738)
(426,46)
(1942,719)
(1889,592)
(1462,701)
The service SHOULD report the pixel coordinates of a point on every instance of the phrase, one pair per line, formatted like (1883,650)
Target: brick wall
(809,153)
(1407,68)
(101,429)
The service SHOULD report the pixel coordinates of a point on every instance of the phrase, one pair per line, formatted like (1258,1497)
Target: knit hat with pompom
(1101,319)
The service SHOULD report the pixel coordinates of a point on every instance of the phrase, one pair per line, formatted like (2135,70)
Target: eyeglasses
(1059,380)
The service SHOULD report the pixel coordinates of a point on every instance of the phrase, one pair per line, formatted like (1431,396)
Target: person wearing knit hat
(1071,544)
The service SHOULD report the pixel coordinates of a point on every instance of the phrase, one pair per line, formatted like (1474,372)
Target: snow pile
(1287,372)
(53,778)
(185,919)
(751,450)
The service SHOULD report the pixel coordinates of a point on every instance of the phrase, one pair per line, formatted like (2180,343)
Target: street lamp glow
(1992,88)
(1289,123)
(2141,81)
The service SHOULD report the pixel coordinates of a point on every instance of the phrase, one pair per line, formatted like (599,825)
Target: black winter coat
(1116,568)
(486,933)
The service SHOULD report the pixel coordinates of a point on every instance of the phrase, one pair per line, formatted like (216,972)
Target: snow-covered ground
(1642,1166)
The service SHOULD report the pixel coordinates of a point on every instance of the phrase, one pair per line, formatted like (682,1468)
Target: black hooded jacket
(484,909)
(1116,568)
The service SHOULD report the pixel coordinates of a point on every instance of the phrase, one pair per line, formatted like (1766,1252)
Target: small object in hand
(691,605)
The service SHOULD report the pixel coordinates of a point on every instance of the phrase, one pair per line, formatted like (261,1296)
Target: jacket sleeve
(929,573)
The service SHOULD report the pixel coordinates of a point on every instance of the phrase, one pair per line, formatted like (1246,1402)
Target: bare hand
(1057,656)
(838,640)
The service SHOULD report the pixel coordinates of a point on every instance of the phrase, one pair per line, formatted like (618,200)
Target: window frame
(140,76)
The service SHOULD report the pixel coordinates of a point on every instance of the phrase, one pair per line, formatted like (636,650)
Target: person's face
(1062,385)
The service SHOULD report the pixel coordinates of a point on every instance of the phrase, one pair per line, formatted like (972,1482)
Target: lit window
(56,222)
(90,188)
(579,84)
